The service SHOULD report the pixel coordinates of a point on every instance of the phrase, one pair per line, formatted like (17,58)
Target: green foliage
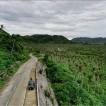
(79,68)
(6,60)
(2,81)
(77,71)
(40,71)
(66,89)
(90,40)
(47,93)
(52,100)
(46,57)
(38,54)
(11,51)
(44,39)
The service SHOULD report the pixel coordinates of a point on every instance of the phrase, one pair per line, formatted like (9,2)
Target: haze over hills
(40,38)
(90,40)
(58,39)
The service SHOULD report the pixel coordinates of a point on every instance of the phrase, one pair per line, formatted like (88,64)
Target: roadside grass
(39,55)
(11,71)
(11,51)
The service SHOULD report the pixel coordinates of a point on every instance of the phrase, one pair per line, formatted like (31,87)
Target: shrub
(52,100)
(47,93)
(40,71)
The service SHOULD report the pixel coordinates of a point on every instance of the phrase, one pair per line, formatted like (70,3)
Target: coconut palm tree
(2,27)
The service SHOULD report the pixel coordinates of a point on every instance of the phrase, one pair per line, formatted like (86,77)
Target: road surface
(14,94)
(31,97)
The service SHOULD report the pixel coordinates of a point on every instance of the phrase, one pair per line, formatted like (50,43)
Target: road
(14,94)
(31,99)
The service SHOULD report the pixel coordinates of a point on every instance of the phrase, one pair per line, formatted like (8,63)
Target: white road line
(8,88)
(10,97)
(24,97)
(7,103)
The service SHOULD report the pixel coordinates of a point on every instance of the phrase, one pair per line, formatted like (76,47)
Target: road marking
(10,97)
(8,88)
(24,97)
(7,103)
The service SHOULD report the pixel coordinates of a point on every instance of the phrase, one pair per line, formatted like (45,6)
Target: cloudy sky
(71,18)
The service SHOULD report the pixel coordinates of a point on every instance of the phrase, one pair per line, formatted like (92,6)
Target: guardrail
(4,73)
(37,87)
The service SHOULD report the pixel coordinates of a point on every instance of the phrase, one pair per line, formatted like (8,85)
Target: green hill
(90,40)
(58,39)
(44,39)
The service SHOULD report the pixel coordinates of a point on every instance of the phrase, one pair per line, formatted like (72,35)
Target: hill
(44,39)
(90,40)
(58,39)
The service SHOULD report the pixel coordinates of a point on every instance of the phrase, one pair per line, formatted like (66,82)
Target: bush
(47,93)
(40,71)
(52,100)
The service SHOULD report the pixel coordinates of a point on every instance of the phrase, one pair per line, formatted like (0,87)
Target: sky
(70,18)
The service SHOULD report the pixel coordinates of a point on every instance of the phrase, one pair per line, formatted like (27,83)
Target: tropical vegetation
(12,54)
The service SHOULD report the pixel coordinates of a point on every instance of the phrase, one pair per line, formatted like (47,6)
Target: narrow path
(31,99)
(15,92)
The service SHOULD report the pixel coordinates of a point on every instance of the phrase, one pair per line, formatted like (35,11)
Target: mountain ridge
(58,39)
(90,40)
(45,38)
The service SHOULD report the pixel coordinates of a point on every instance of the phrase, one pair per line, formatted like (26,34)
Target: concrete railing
(42,84)
(37,86)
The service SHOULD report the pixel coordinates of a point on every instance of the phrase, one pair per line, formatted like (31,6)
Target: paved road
(31,95)
(14,93)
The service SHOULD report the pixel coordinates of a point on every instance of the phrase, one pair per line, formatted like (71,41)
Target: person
(31,84)
(30,79)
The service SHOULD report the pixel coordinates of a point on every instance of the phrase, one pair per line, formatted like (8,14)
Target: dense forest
(90,40)
(44,39)
(11,53)
(77,72)
(57,39)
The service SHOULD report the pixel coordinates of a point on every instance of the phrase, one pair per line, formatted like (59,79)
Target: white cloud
(69,18)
